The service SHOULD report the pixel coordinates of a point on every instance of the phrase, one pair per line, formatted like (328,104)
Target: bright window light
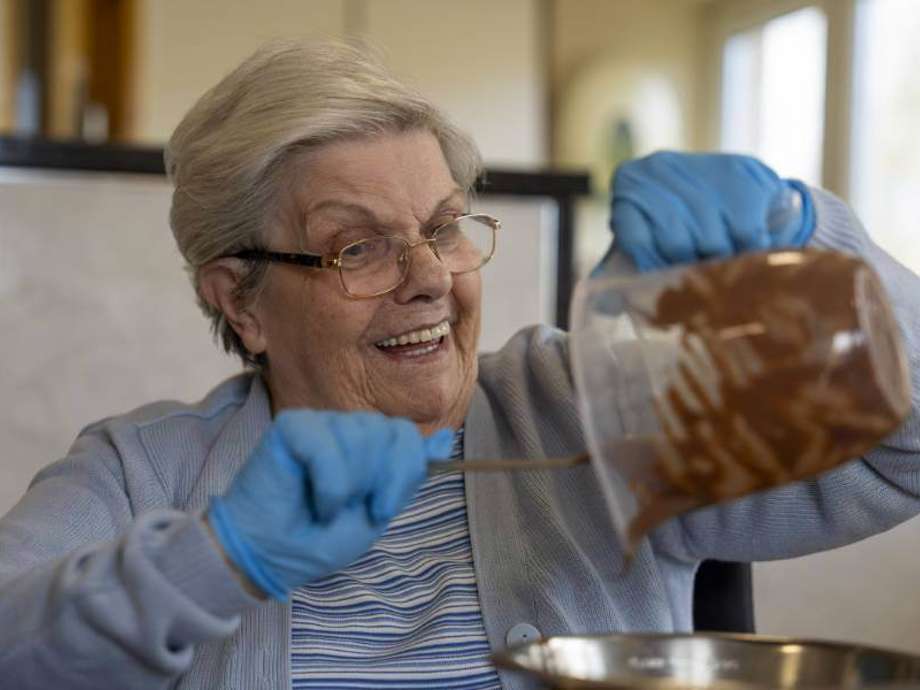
(885,160)
(773,93)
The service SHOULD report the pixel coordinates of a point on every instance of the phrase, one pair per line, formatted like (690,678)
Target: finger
(755,186)
(700,209)
(747,166)
(736,188)
(631,221)
(344,539)
(669,226)
(404,468)
(632,235)
(329,455)
(362,440)
(790,217)
(637,185)
(748,228)
(304,442)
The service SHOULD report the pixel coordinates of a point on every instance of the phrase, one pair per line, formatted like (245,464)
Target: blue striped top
(406,614)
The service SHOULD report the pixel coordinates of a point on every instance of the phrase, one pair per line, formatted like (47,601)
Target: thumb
(791,216)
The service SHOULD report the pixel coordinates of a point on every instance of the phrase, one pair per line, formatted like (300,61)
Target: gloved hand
(316,493)
(672,208)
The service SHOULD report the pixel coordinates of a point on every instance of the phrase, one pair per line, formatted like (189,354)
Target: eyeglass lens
(378,264)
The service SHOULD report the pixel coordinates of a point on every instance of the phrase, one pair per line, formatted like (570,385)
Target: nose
(427,277)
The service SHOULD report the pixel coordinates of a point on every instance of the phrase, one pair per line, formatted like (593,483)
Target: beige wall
(6,65)
(68,66)
(642,60)
(606,52)
(479,60)
(185,46)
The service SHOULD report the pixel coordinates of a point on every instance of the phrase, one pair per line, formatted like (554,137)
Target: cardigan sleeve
(94,595)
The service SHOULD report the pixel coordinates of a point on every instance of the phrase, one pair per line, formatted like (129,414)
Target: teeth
(423,335)
(422,350)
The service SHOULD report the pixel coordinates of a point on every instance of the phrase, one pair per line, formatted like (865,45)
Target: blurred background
(823,91)
(96,314)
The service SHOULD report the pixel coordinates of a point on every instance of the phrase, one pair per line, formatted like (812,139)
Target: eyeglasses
(375,266)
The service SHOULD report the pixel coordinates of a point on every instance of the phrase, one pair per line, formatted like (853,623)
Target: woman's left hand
(672,208)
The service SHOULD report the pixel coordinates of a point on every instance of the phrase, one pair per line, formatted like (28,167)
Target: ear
(217,283)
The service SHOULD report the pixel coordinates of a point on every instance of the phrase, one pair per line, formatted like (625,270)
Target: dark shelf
(63,154)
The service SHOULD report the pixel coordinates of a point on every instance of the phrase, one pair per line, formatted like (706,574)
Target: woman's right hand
(316,493)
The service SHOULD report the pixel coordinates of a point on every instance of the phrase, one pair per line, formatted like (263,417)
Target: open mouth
(416,343)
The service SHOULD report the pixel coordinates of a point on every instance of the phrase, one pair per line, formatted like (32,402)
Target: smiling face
(328,350)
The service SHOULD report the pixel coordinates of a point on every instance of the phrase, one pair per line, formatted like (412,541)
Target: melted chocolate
(790,364)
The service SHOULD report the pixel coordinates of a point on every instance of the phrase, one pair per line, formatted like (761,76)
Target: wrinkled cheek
(359,385)
(466,354)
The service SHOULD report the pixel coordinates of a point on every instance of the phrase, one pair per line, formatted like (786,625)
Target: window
(885,159)
(773,93)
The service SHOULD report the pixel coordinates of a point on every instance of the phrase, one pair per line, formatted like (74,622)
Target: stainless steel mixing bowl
(711,661)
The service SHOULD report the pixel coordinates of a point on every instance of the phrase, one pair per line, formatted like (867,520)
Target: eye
(359,251)
(365,252)
(449,235)
(355,251)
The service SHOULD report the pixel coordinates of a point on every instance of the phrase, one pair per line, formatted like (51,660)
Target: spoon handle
(503,465)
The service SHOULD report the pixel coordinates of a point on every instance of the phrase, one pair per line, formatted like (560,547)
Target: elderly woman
(282,532)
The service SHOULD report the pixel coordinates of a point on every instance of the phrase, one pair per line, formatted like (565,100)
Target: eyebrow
(367,213)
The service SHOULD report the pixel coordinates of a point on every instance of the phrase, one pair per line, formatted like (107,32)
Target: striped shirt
(406,614)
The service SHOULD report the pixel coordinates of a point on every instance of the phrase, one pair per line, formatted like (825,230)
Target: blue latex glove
(673,208)
(318,490)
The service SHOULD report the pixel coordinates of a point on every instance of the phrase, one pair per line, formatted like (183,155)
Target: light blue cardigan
(107,579)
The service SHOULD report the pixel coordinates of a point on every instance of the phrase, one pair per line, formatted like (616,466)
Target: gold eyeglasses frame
(334,260)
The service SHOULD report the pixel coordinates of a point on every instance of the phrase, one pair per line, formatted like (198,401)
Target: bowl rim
(505,659)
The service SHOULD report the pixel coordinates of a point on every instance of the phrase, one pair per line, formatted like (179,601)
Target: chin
(431,407)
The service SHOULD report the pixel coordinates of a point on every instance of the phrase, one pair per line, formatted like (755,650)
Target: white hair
(229,156)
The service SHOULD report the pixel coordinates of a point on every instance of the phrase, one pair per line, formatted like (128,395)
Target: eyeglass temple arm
(311,260)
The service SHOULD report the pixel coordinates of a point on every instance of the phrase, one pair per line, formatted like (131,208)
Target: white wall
(97,314)
(867,592)
(519,283)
